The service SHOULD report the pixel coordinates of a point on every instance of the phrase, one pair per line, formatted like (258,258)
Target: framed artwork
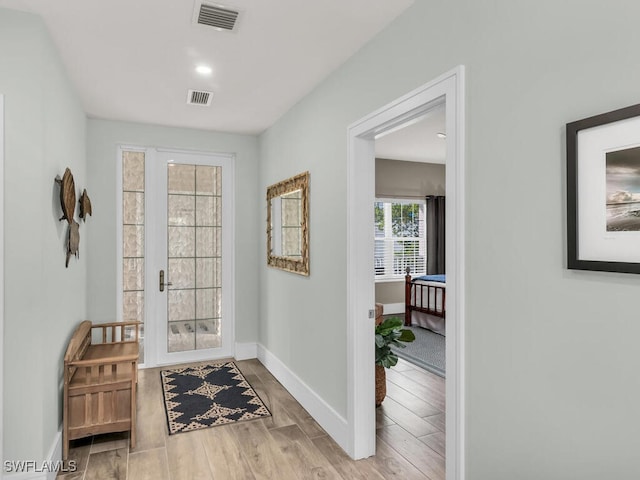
(603,192)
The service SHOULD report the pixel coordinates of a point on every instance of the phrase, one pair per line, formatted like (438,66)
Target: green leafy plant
(388,333)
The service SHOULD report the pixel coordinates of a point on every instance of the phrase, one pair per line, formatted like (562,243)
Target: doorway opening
(447,90)
(409,231)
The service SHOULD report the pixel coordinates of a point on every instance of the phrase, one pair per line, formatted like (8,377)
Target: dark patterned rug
(207,395)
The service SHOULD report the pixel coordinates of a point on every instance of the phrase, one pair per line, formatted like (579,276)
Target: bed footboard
(426,298)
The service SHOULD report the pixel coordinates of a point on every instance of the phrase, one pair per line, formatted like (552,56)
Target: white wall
(552,359)
(397,178)
(44,133)
(102,142)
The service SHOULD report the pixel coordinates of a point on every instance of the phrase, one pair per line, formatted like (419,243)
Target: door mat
(207,395)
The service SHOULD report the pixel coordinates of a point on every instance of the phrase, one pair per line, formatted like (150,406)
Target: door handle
(161,281)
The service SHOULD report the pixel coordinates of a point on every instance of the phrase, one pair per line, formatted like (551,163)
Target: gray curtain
(435,234)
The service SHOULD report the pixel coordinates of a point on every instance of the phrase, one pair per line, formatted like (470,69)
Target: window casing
(400,238)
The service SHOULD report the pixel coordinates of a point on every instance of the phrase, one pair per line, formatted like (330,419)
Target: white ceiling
(416,142)
(134,60)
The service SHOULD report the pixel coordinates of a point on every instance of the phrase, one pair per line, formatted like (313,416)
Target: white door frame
(448,89)
(156,254)
(1,277)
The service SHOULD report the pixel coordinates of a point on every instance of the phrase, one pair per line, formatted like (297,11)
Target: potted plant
(388,333)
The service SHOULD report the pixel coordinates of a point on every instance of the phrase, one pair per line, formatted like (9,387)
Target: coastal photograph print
(603,192)
(623,190)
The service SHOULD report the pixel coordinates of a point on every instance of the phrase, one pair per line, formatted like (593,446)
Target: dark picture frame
(603,188)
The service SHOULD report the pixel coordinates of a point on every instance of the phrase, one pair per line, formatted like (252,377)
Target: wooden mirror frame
(298,182)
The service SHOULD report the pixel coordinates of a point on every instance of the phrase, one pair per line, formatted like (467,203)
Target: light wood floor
(288,445)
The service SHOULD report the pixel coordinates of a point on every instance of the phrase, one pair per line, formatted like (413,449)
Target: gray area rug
(426,351)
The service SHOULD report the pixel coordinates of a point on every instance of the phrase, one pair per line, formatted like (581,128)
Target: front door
(187,260)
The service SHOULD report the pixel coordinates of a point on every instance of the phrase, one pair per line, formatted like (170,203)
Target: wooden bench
(100,377)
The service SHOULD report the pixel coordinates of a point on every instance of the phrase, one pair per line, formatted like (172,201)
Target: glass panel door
(194,247)
(192,256)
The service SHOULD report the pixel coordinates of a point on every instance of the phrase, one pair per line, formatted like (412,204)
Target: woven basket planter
(381,384)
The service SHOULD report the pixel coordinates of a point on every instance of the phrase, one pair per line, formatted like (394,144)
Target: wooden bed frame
(417,295)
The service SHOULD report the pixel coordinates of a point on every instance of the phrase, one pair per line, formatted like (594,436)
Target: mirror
(288,224)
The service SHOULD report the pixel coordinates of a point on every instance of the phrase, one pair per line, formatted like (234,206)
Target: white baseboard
(333,423)
(39,470)
(246,351)
(393,309)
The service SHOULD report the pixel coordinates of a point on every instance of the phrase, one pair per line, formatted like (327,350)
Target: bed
(425,302)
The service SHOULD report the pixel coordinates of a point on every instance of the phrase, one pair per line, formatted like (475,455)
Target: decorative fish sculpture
(73,241)
(85,205)
(67,195)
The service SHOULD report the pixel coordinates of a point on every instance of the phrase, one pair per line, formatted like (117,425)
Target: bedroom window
(400,238)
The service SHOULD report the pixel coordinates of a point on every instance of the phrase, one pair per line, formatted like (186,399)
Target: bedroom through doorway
(409,233)
(409,229)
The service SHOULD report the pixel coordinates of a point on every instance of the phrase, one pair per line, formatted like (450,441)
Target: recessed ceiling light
(204,70)
(441,135)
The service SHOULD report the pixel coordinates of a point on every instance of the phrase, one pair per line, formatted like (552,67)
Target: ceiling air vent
(216,16)
(199,97)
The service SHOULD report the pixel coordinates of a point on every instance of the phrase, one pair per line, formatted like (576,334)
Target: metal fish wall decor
(67,195)
(68,205)
(73,241)
(85,205)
